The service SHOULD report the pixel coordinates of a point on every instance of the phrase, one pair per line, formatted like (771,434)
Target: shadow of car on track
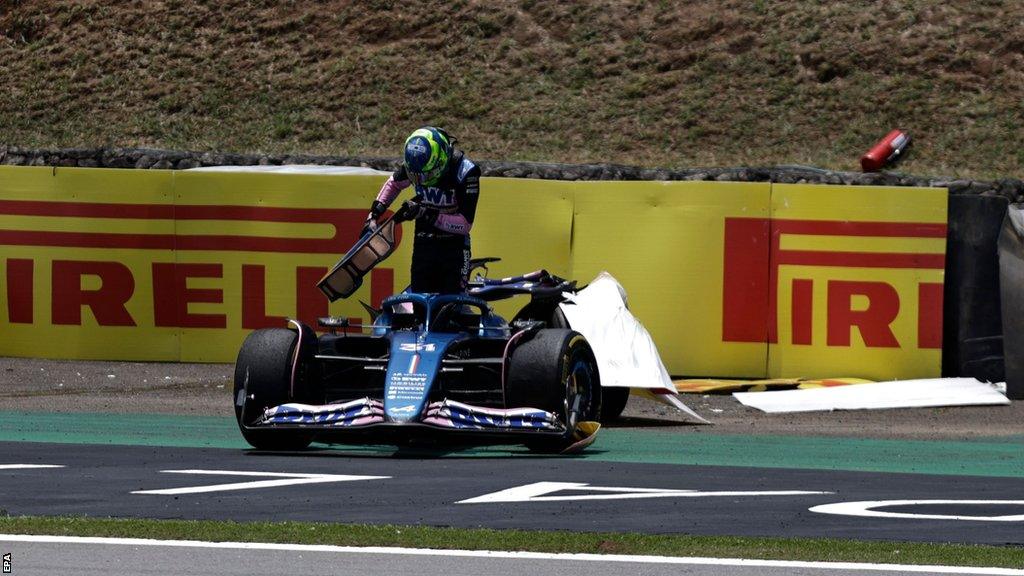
(417,452)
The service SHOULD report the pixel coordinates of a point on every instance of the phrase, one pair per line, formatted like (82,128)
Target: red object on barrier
(886,151)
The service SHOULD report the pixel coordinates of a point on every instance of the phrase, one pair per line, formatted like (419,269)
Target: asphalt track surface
(576,494)
(126,558)
(631,480)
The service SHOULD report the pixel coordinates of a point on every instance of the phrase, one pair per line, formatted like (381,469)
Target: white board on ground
(931,392)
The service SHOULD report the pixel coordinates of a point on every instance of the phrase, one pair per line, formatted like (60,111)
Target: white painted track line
(28,466)
(602,558)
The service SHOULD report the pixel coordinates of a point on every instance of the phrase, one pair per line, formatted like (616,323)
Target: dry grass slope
(652,83)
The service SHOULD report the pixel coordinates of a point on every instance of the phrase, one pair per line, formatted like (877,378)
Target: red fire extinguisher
(888,150)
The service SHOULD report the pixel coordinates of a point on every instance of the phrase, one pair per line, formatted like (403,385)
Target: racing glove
(413,210)
(376,209)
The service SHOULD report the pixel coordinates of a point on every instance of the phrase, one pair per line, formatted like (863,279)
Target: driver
(446,188)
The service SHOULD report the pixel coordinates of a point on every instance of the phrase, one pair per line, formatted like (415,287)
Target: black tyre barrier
(1011,281)
(972,332)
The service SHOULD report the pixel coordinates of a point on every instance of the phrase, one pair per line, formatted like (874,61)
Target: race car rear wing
(538,284)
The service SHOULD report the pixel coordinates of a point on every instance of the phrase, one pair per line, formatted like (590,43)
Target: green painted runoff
(996,458)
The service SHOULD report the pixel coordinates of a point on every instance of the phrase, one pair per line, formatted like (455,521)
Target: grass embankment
(828,550)
(652,83)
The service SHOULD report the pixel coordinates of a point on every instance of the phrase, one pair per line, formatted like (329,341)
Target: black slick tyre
(613,400)
(262,380)
(555,370)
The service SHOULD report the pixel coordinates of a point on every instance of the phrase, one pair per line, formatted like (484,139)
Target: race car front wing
(444,414)
(452,414)
(361,412)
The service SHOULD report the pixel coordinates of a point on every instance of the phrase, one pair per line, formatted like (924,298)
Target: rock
(1010,187)
(88,163)
(81,153)
(959,186)
(654,174)
(145,161)
(981,187)
(866,179)
(212,159)
(116,158)
(162,164)
(186,163)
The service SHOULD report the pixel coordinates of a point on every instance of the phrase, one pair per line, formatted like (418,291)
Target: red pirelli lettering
(254,299)
(171,295)
(745,280)
(107,302)
(929,325)
(873,322)
(19,290)
(310,303)
(753,256)
(802,320)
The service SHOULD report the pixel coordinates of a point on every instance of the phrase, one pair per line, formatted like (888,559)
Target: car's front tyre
(263,373)
(555,370)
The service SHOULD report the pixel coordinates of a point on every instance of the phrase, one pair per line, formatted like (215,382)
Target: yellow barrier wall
(528,226)
(50,274)
(731,279)
(664,242)
(313,219)
(859,281)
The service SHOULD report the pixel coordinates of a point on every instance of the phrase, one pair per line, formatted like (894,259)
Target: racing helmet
(427,151)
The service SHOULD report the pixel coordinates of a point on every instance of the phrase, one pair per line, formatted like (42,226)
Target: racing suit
(441,246)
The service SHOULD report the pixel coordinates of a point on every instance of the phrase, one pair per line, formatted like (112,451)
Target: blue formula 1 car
(444,367)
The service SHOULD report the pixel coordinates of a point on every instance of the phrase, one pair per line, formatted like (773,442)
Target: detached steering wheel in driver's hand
(413,210)
(409,210)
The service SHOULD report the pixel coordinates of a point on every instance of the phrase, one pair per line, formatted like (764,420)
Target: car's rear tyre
(613,400)
(263,380)
(555,370)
